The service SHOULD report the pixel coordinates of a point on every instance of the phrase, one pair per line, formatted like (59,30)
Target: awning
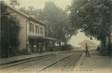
(42,38)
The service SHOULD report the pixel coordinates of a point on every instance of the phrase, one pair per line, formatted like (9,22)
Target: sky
(40,3)
(37,4)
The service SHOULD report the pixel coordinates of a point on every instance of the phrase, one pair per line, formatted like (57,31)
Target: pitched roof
(25,15)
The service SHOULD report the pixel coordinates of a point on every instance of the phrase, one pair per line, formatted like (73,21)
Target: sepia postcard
(55,36)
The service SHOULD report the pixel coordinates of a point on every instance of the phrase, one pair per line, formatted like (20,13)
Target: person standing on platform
(86,50)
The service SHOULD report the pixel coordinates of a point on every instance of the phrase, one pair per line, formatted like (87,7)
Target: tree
(14,3)
(9,33)
(94,18)
(36,13)
(57,21)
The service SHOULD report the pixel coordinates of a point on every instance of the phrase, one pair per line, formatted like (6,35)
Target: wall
(22,33)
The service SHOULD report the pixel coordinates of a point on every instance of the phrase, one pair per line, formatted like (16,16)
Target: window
(36,29)
(41,30)
(31,27)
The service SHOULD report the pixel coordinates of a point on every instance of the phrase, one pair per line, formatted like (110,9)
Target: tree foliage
(14,3)
(9,32)
(57,20)
(94,17)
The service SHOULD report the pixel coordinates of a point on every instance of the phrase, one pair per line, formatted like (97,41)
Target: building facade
(30,28)
(32,35)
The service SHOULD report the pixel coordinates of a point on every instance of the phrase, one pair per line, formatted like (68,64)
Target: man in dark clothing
(86,50)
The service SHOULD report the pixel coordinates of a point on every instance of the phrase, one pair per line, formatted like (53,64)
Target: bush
(105,51)
(66,47)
